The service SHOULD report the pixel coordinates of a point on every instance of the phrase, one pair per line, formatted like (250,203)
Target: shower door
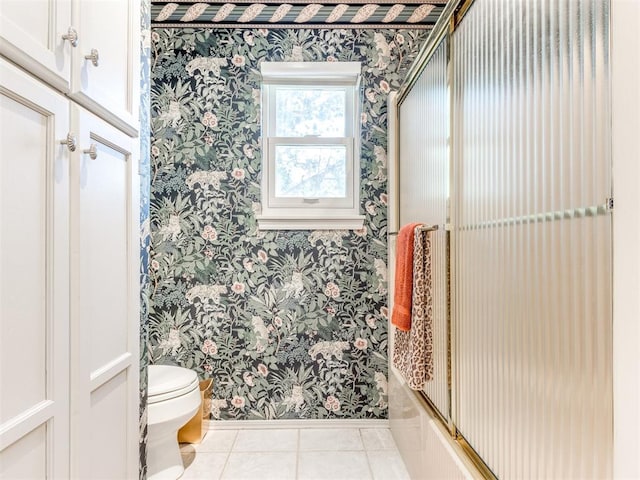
(533,237)
(423,165)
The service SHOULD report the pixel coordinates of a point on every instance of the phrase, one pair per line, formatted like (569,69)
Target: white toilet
(174,397)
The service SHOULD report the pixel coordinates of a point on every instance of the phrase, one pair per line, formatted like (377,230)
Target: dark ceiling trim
(417,15)
(306,2)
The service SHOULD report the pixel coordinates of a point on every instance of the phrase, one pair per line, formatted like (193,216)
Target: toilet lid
(166,382)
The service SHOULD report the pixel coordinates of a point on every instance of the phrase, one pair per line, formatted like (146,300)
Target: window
(311,136)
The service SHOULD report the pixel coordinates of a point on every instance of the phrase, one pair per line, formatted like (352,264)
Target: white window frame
(299,213)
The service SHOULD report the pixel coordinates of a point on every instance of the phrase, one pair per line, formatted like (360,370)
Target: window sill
(354,222)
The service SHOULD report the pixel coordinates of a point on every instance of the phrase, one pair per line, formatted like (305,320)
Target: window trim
(299,212)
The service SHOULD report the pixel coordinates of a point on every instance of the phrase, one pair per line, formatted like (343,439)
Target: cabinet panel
(33,23)
(23,236)
(103,221)
(34,278)
(27,458)
(105,259)
(109,417)
(31,35)
(107,83)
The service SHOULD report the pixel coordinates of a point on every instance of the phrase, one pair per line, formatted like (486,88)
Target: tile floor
(288,454)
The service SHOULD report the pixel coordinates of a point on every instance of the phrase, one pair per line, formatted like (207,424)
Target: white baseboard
(295,423)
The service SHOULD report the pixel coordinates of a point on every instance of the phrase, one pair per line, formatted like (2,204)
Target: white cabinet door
(34,278)
(105,64)
(31,35)
(105,256)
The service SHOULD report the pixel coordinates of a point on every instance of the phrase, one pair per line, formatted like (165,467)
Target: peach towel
(401,314)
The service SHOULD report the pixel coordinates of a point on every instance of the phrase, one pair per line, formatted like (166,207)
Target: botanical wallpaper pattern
(145,233)
(289,324)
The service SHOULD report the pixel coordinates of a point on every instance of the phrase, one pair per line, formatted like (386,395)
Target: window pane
(311,171)
(304,111)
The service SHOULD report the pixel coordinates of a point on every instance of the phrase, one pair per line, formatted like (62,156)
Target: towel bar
(424,228)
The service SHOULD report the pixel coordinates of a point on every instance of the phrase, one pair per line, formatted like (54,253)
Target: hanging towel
(413,349)
(401,314)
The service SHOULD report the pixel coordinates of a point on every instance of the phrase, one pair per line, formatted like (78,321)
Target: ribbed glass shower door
(532,238)
(424,176)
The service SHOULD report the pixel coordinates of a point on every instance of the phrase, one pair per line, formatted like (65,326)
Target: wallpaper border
(305,26)
(288,15)
(306,2)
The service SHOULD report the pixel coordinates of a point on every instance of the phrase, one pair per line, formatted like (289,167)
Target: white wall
(625,62)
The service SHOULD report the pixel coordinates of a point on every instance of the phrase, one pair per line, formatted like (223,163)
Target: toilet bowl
(173,399)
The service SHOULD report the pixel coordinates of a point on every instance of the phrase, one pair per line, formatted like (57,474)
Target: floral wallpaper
(145,233)
(289,324)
